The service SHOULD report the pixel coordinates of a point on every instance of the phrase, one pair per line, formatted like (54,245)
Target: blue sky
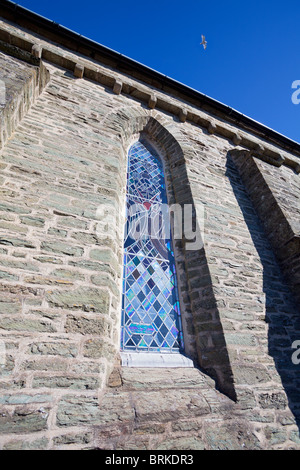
(252,56)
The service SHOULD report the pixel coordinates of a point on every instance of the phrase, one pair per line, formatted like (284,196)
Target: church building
(149,257)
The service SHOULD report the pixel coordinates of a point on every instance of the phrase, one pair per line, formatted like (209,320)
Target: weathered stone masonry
(65,130)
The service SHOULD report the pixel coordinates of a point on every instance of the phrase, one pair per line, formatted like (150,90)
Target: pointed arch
(204,340)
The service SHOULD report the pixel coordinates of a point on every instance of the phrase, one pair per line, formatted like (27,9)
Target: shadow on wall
(281,312)
(209,351)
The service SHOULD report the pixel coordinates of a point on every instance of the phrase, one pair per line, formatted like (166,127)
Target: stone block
(32,221)
(182,114)
(152,102)
(82,298)
(17,242)
(36,51)
(55,348)
(273,400)
(236,139)
(32,444)
(117,87)
(78,71)
(82,410)
(75,438)
(212,128)
(61,248)
(234,435)
(20,324)
(251,375)
(23,421)
(74,383)
(88,326)
(8,308)
(99,348)
(169,405)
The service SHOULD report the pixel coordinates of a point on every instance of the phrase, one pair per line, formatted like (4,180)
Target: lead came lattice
(150,310)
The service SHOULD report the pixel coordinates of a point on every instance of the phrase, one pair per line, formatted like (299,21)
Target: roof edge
(73,41)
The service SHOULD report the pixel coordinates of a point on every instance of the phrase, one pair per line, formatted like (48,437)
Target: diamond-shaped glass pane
(150,315)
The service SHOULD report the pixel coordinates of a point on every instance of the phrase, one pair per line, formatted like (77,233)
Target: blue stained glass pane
(130,295)
(146,305)
(142,343)
(139,328)
(174,331)
(151,315)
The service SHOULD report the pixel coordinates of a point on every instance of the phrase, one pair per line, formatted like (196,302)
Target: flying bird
(203,43)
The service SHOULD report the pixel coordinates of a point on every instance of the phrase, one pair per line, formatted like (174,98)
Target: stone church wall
(63,178)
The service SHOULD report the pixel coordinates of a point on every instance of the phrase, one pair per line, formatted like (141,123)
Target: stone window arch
(205,345)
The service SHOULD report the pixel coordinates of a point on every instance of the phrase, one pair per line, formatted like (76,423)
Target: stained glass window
(151,318)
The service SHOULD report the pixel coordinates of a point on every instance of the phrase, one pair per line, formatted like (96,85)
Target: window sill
(140,359)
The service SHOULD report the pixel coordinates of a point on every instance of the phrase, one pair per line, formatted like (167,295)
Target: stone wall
(64,165)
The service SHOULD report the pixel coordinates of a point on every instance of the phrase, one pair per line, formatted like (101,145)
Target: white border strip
(140,359)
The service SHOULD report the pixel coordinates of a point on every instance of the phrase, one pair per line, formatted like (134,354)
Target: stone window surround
(164,138)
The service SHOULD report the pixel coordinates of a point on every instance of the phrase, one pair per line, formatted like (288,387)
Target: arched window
(151,320)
